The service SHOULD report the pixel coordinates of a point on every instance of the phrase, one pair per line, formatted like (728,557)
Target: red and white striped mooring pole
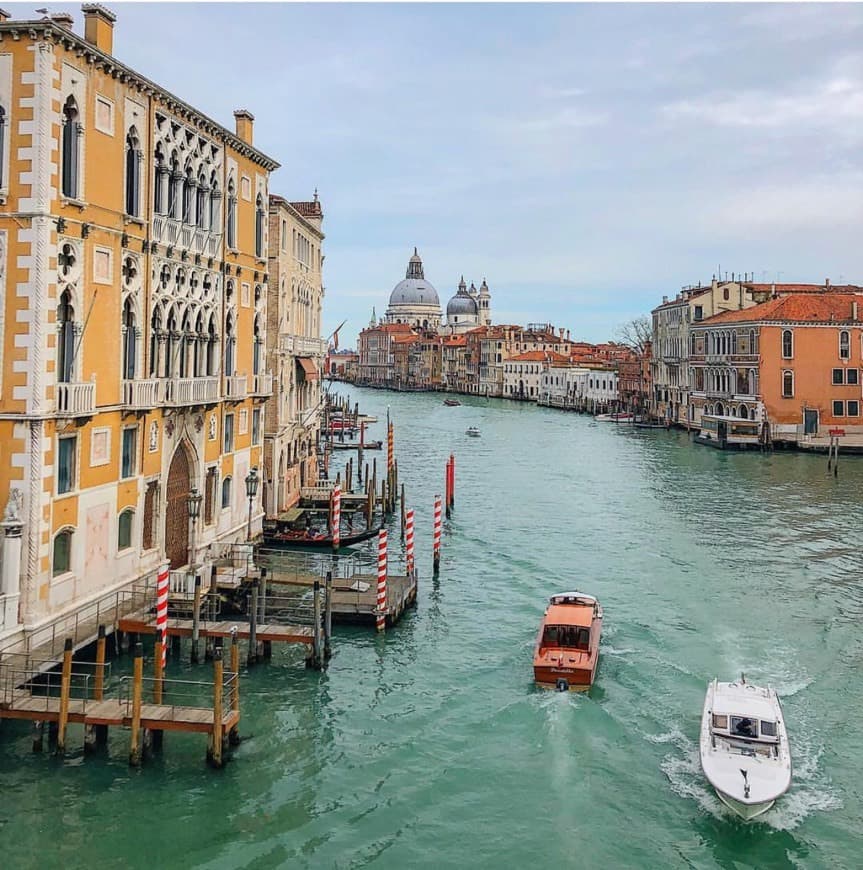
(409,541)
(337,516)
(381,618)
(163,584)
(436,533)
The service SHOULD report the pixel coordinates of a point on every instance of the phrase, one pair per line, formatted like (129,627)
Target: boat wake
(810,793)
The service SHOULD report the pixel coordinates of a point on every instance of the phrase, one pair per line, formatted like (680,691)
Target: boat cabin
(566,636)
(727,432)
(745,727)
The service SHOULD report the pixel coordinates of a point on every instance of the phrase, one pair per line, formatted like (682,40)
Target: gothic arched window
(133,173)
(2,145)
(232,215)
(65,338)
(70,148)
(259,227)
(130,362)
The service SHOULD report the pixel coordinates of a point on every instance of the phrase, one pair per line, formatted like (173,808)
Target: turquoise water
(431,747)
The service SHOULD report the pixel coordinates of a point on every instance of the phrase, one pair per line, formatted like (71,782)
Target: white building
(414,300)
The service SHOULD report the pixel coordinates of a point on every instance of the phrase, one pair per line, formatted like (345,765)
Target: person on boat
(744,728)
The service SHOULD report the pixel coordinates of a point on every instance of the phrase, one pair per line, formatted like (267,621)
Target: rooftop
(795,308)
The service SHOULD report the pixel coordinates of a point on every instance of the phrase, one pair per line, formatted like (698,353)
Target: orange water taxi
(567,647)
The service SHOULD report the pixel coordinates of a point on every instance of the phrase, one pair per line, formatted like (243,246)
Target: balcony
(301,346)
(76,400)
(262,385)
(236,387)
(141,395)
(191,391)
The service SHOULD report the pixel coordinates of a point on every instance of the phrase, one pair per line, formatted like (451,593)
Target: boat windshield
(566,636)
(743,726)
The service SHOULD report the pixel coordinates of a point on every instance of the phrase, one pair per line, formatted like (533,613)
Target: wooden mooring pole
(234,733)
(137,685)
(157,735)
(253,626)
(403,512)
(65,688)
(328,615)
(196,619)
(436,536)
(214,750)
(99,676)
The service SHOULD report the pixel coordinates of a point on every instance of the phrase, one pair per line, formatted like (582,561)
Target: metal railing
(76,398)
(83,623)
(301,345)
(178,695)
(25,677)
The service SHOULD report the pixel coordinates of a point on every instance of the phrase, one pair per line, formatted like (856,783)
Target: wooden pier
(76,695)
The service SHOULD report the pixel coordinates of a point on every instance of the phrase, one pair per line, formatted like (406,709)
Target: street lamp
(193,503)
(251,491)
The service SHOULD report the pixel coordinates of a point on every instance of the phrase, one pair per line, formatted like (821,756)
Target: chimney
(664,300)
(854,309)
(826,283)
(245,124)
(99,26)
(64,19)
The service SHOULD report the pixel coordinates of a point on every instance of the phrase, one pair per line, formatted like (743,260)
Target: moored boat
(308,538)
(614,418)
(451,402)
(472,431)
(744,746)
(567,647)
(355,445)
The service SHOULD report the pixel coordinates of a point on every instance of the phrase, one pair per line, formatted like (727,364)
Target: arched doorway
(177,509)
(280,485)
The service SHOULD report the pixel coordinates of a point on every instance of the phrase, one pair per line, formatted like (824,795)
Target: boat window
(550,635)
(720,721)
(583,639)
(743,726)
(768,729)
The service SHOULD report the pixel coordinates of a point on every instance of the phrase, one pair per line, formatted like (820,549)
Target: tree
(636,333)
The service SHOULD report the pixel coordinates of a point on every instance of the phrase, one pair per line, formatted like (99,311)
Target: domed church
(467,309)
(414,300)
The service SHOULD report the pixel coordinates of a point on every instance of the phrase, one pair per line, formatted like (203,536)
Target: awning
(307,364)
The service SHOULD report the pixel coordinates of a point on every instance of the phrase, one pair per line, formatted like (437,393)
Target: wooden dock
(145,623)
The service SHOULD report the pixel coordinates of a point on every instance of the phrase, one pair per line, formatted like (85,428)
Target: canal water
(431,747)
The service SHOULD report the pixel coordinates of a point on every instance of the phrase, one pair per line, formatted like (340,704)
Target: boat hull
(576,679)
(744,810)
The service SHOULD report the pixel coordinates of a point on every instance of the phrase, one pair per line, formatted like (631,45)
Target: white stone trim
(108,104)
(100,431)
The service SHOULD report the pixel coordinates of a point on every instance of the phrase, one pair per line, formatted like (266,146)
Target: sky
(585,159)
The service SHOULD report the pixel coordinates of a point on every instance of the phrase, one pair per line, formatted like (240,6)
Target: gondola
(355,445)
(451,402)
(302,538)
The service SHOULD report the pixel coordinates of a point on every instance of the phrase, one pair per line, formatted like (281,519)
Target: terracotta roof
(307,209)
(683,300)
(455,340)
(539,356)
(797,307)
(406,339)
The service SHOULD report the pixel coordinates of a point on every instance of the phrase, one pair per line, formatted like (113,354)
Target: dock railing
(23,676)
(178,695)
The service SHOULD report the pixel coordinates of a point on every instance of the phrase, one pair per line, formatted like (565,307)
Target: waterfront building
(670,341)
(634,384)
(341,364)
(133,255)
(414,300)
(294,350)
(453,365)
(522,374)
(375,351)
(793,362)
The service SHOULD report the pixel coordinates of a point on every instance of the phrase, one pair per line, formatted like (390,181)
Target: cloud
(836,102)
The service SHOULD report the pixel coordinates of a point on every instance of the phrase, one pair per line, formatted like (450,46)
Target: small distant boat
(473,432)
(451,402)
(744,747)
(614,418)
(567,646)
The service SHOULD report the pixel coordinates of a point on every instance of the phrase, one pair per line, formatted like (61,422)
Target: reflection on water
(431,747)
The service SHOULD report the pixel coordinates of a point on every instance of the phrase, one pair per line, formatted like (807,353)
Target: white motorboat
(473,432)
(744,746)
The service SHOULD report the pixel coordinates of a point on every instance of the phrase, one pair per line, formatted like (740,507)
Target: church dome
(461,303)
(414,290)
